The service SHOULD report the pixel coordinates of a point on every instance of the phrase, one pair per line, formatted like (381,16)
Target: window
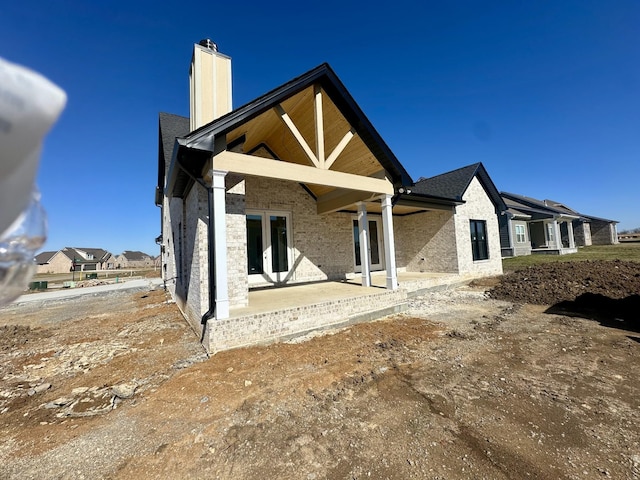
(479,239)
(521,237)
(550,232)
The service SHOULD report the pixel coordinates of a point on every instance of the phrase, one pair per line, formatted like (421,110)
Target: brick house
(532,226)
(133,259)
(64,260)
(295,187)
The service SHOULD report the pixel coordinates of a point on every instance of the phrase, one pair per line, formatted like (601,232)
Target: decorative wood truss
(340,171)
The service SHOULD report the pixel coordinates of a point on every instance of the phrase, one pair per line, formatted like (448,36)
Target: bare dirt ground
(462,386)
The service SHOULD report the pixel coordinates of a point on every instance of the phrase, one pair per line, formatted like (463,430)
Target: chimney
(209,84)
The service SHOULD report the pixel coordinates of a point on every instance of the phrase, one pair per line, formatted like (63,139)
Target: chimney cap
(208,43)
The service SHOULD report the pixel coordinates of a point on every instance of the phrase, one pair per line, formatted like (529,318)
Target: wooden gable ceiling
(270,130)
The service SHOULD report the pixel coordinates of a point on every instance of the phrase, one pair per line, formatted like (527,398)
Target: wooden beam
(340,199)
(339,148)
(263,167)
(317,108)
(297,135)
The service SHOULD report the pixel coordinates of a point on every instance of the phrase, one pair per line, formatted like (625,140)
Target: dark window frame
(479,244)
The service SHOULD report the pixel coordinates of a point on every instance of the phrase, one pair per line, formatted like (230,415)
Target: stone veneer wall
(478,206)
(603,233)
(322,244)
(581,233)
(426,242)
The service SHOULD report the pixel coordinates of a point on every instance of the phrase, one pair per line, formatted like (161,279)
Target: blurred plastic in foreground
(29,106)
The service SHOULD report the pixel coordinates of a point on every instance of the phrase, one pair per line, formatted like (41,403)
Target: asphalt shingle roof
(454,184)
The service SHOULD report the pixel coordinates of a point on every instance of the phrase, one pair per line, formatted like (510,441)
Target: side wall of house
(185,234)
(322,244)
(521,248)
(581,233)
(477,206)
(603,233)
(426,242)
(506,241)
(59,263)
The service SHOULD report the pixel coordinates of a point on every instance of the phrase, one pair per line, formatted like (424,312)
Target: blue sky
(545,94)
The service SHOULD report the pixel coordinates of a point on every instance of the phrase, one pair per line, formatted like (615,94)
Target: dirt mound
(600,290)
(552,283)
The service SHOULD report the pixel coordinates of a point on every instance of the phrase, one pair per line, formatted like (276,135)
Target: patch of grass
(622,251)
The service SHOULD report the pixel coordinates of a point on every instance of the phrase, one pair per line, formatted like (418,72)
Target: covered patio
(290,311)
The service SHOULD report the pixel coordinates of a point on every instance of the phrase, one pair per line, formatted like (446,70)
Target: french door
(268,246)
(375,244)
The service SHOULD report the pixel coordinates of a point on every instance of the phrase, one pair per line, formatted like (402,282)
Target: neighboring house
(537,226)
(294,187)
(72,259)
(42,261)
(133,259)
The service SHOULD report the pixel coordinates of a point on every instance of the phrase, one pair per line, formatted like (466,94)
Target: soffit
(268,129)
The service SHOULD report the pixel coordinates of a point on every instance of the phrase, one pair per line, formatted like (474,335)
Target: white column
(556,229)
(389,243)
(572,240)
(363,232)
(220,244)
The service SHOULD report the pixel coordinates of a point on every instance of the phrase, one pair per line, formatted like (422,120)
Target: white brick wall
(236,241)
(478,206)
(270,326)
(426,242)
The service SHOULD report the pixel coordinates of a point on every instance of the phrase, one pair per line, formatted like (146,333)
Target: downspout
(212,263)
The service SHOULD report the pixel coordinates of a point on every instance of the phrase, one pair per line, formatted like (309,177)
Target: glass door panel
(268,246)
(254,244)
(279,247)
(375,244)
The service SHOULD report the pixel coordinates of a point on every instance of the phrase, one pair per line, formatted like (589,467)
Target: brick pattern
(426,242)
(603,233)
(270,326)
(236,241)
(582,233)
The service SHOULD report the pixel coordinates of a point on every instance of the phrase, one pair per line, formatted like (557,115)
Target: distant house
(73,259)
(537,226)
(134,259)
(298,187)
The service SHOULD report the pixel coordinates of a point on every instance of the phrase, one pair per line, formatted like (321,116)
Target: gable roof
(44,257)
(200,143)
(539,206)
(135,255)
(454,184)
(521,210)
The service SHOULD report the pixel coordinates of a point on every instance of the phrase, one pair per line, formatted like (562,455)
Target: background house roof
(44,257)
(556,208)
(135,255)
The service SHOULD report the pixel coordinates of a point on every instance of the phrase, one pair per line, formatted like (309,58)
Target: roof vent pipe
(208,43)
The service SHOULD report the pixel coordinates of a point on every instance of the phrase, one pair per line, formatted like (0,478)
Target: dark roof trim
(420,200)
